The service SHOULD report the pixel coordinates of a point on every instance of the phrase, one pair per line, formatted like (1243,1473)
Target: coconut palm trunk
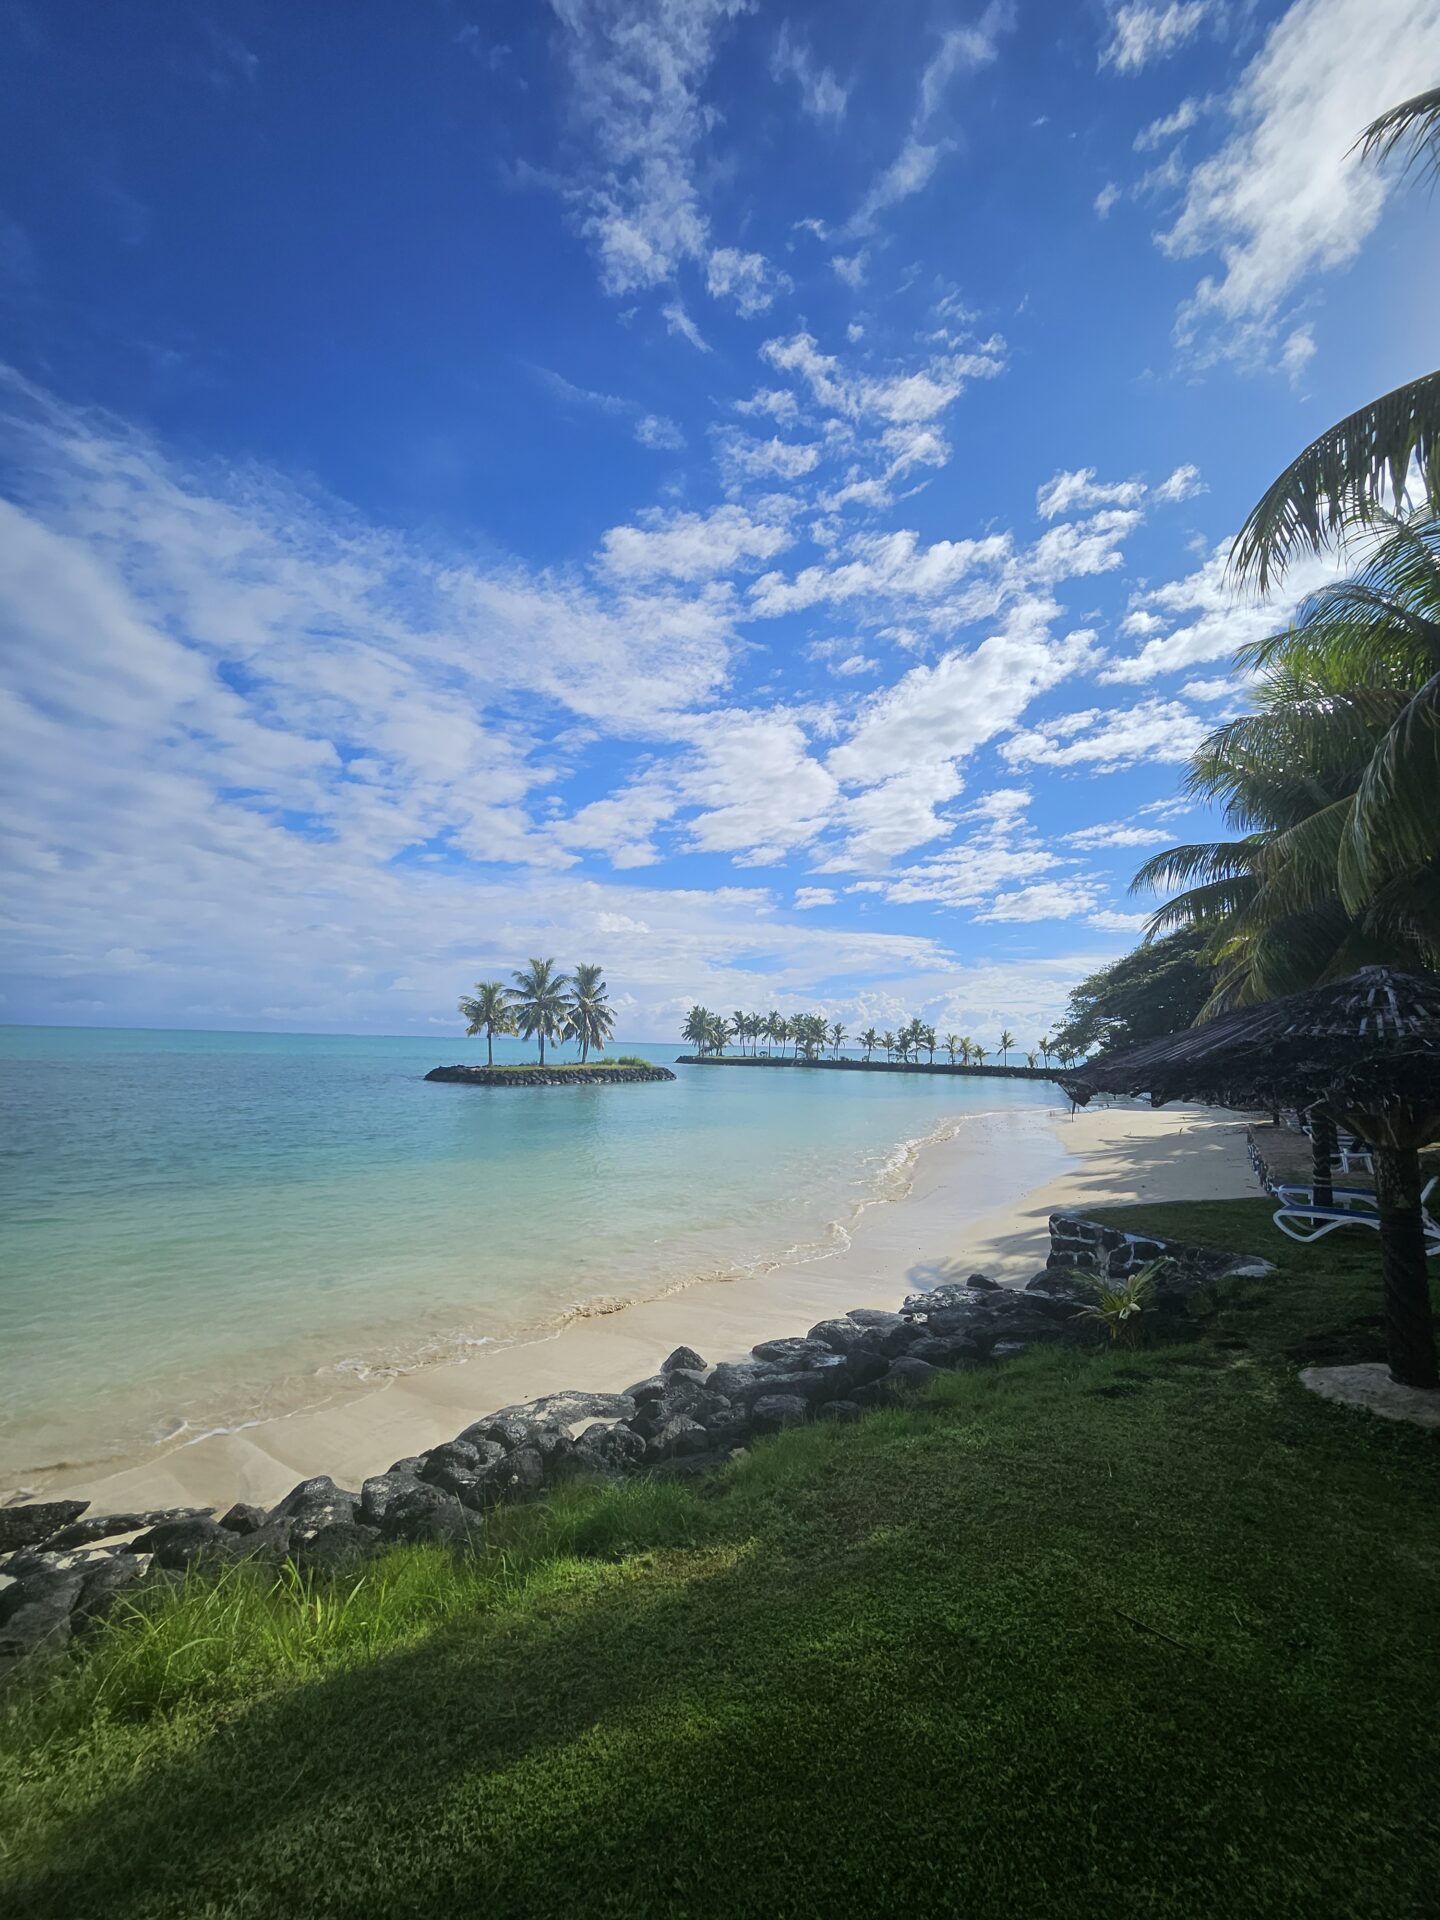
(1409,1322)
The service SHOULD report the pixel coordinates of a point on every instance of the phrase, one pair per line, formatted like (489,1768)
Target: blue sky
(734,491)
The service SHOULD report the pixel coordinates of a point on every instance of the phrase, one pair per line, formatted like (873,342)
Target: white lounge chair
(1307,1223)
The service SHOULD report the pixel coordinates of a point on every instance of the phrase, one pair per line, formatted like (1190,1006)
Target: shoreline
(894,1247)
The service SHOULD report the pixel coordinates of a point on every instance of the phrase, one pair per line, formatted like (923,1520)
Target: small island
(627,1067)
(544,1005)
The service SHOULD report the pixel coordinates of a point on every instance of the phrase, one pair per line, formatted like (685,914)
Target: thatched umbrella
(1365,1052)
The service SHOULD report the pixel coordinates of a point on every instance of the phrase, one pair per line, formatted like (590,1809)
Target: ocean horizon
(202,1229)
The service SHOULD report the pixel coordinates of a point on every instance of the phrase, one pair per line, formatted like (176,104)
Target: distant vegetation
(544,1005)
(812,1035)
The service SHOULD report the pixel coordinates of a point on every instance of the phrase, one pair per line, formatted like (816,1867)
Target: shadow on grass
(922,1655)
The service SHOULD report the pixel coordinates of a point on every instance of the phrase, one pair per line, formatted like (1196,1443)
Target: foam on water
(201,1231)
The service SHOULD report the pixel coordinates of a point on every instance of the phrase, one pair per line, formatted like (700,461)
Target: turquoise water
(200,1228)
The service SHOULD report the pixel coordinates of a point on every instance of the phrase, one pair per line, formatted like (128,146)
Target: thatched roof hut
(1364,1052)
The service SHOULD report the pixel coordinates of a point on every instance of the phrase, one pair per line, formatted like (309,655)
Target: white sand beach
(1116,1155)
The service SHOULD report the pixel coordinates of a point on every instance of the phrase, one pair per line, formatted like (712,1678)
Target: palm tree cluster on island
(813,1036)
(543,1005)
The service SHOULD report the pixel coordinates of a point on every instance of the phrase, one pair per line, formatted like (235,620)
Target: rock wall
(588,1076)
(1086,1246)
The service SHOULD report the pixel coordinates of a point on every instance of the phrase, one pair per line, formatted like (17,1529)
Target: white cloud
(759,791)
(1080,490)
(1046,900)
(741,457)
(1074,548)
(635,69)
(1183,484)
(690,546)
(1287,196)
(899,398)
(908,173)
(677,320)
(1105,199)
(807,897)
(1222,687)
(851,267)
(746,278)
(821,94)
(1155,730)
(777,402)
(886,565)
(943,712)
(1169,125)
(1141,35)
(1117,833)
(1114,922)
(657,431)
(963,50)
(1221,623)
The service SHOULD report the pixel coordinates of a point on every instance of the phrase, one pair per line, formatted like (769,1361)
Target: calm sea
(202,1228)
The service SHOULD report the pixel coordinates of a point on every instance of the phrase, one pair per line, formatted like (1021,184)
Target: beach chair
(1354,1155)
(1302,1220)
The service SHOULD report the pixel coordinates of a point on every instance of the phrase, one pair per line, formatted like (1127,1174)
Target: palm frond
(1416,123)
(1202,861)
(1396,820)
(1339,478)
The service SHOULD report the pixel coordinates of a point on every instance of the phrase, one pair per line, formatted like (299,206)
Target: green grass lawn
(1139,1634)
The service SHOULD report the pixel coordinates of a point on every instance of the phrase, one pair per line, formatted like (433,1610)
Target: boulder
(791,1355)
(894,1340)
(508,1430)
(981,1283)
(683,1357)
(838,1410)
(243,1517)
(947,1352)
(841,1336)
(424,1513)
(728,1429)
(871,1317)
(1007,1349)
(519,1476)
(378,1492)
(336,1548)
(677,1438)
(905,1377)
(655,1388)
(269,1541)
(314,1504)
(565,1409)
(27,1526)
(737,1382)
(175,1543)
(456,1465)
(609,1449)
(103,1585)
(773,1412)
(39,1627)
(104,1526)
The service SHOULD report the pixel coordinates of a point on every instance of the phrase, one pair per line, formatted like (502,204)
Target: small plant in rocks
(1121,1305)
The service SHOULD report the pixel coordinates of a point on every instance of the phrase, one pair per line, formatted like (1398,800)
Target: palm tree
(489,1012)
(929,1039)
(779,1031)
(979,1052)
(1330,786)
(869,1040)
(589,1017)
(540,1005)
(837,1034)
(1047,1047)
(1032,1060)
(695,1028)
(717,1032)
(967,1049)
(888,1042)
(740,1027)
(1339,479)
(952,1046)
(1007,1041)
